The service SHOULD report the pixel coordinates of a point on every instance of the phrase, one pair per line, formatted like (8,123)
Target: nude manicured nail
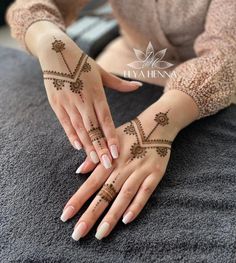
(79,231)
(67,213)
(94,157)
(80,168)
(78,146)
(128,217)
(137,83)
(106,161)
(102,230)
(114,151)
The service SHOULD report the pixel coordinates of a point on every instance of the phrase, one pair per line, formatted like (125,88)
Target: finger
(106,123)
(116,83)
(78,125)
(106,194)
(122,201)
(64,119)
(96,136)
(141,198)
(86,167)
(86,190)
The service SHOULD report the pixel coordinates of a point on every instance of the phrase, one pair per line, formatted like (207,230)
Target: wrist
(39,34)
(180,109)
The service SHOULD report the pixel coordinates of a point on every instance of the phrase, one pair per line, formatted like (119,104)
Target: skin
(78,117)
(135,180)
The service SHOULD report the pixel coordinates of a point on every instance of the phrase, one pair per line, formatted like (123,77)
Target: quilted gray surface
(189,218)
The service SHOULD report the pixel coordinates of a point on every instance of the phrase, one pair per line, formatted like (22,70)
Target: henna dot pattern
(76,86)
(96,134)
(58,84)
(72,77)
(143,142)
(58,46)
(161,119)
(107,193)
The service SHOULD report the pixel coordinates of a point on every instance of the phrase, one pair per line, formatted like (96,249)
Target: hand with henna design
(145,145)
(74,85)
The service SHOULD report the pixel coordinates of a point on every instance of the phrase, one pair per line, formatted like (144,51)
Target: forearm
(181,109)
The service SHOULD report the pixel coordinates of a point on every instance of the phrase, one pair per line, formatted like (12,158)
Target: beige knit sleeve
(210,78)
(23,13)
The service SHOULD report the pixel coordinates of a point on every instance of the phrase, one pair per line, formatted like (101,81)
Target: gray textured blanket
(191,217)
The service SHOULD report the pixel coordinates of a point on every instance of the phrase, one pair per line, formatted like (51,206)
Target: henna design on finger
(107,193)
(96,134)
(73,77)
(143,142)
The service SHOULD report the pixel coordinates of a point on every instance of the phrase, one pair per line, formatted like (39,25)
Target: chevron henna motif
(72,77)
(143,142)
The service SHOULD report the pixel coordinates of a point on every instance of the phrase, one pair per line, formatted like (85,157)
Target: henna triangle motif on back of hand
(72,77)
(143,142)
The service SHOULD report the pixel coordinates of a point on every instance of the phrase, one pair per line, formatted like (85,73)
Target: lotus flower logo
(150,59)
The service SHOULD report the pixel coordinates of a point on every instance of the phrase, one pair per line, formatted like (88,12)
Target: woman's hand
(74,84)
(145,152)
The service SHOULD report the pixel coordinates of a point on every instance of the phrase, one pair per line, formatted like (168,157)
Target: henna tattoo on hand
(107,193)
(143,142)
(73,77)
(96,134)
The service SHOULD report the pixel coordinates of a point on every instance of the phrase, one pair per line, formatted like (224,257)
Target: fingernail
(80,168)
(67,213)
(137,83)
(114,151)
(79,231)
(128,217)
(94,157)
(78,146)
(106,161)
(102,230)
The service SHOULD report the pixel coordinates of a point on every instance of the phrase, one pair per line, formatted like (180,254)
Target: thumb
(111,81)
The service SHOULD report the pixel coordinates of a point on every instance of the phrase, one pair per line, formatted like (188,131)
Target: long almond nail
(128,217)
(80,168)
(106,161)
(67,213)
(77,145)
(79,231)
(114,151)
(94,157)
(102,230)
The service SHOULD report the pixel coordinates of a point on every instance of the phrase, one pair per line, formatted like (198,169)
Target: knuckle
(63,120)
(158,169)
(77,125)
(71,136)
(146,189)
(92,216)
(94,184)
(113,217)
(75,201)
(106,119)
(127,193)
(138,206)
(53,100)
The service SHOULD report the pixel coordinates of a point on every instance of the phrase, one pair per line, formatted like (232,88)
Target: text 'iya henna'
(59,79)
(143,142)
